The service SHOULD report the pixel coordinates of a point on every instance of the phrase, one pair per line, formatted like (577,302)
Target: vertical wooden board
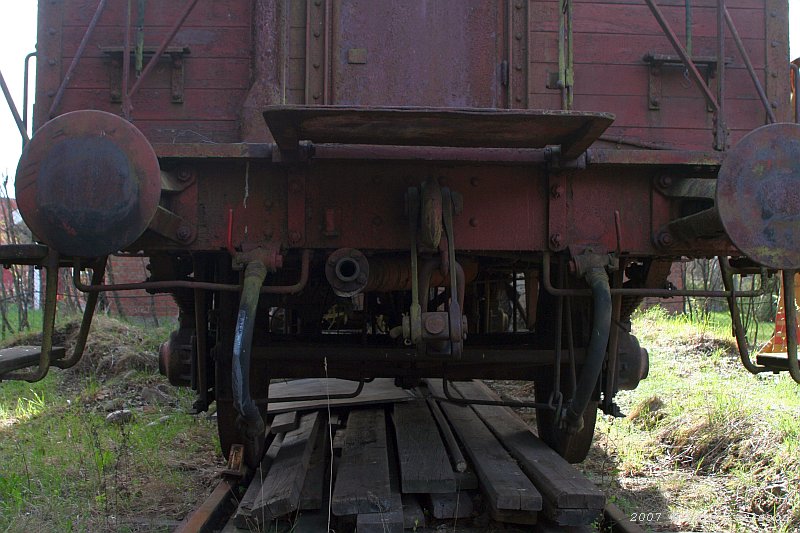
(311,496)
(559,482)
(505,485)
(776,45)
(452,505)
(280,492)
(362,480)
(424,464)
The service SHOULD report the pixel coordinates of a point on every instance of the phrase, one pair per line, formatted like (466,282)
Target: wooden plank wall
(217,69)
(610,39)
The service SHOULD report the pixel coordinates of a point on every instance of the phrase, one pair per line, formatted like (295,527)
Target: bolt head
(434,324)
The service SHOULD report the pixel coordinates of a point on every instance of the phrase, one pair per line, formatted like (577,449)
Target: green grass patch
(710,446)
(66,468)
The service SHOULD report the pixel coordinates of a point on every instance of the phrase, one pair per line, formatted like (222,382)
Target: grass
(65,468)
(705,444)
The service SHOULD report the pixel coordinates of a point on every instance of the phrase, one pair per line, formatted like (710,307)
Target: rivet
(473,222)
(316,97)
(51,61)
(473,181)
(294,236)
(316,65)
(316,34)
(518,98)
(518,36)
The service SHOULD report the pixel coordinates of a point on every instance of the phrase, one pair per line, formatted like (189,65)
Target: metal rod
(25,94)
(720,133)
(201,338)
(796,77)
(13,107)
(86,322)
(126,64)
(790,312)
(687,61)
(689,24)
(154,60)
(473,401)
(747,63)
(456,457)
(48,325)
(319,397)
(204,285)
(613,345)
(75,60)
(656,293)
(736,319)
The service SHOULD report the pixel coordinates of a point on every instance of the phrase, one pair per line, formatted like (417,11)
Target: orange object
(777,344)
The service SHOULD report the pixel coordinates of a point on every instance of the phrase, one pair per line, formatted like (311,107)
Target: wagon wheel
(572,447)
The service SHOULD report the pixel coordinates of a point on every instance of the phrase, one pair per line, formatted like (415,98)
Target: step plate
(574,131)
(19,357)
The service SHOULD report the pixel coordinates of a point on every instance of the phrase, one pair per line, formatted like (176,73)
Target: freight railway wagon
(429,188)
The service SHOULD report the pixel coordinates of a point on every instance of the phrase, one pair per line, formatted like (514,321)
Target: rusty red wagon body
(431,188)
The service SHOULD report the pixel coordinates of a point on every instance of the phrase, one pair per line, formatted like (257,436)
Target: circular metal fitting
(758,195)
(88,183)
(347,271)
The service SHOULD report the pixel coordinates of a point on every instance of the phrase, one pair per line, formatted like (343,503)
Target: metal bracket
(657,63)
(174,55)
(296,207)
(172,226)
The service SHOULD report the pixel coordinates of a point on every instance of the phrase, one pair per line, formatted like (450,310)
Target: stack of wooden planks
(390,465)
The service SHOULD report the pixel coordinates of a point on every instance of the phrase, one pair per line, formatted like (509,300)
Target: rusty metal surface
(758,195)
(444,53)
(574,131)
(88,183)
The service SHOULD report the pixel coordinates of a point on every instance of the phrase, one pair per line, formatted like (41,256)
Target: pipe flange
(347,271)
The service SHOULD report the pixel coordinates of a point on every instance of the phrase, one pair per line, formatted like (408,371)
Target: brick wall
(136,304)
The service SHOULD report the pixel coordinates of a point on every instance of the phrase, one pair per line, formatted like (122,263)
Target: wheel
(572,447)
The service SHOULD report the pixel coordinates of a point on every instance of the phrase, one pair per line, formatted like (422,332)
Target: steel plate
(758,195)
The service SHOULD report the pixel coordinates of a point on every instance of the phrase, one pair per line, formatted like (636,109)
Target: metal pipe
(629,291)
(689,24)
(126,64)
(13,107)
(456,457)
(449,397)
(687,61)
(25,93)
(613,346)
(75,60)
(790,312)
(796,77)
(596,352)
(319,397)
(736,319)
(86,322)
(203,285)
(747,63)
(48,325)
(154,60)
(254,276)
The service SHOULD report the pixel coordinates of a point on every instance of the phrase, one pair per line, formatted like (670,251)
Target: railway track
(403,461)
